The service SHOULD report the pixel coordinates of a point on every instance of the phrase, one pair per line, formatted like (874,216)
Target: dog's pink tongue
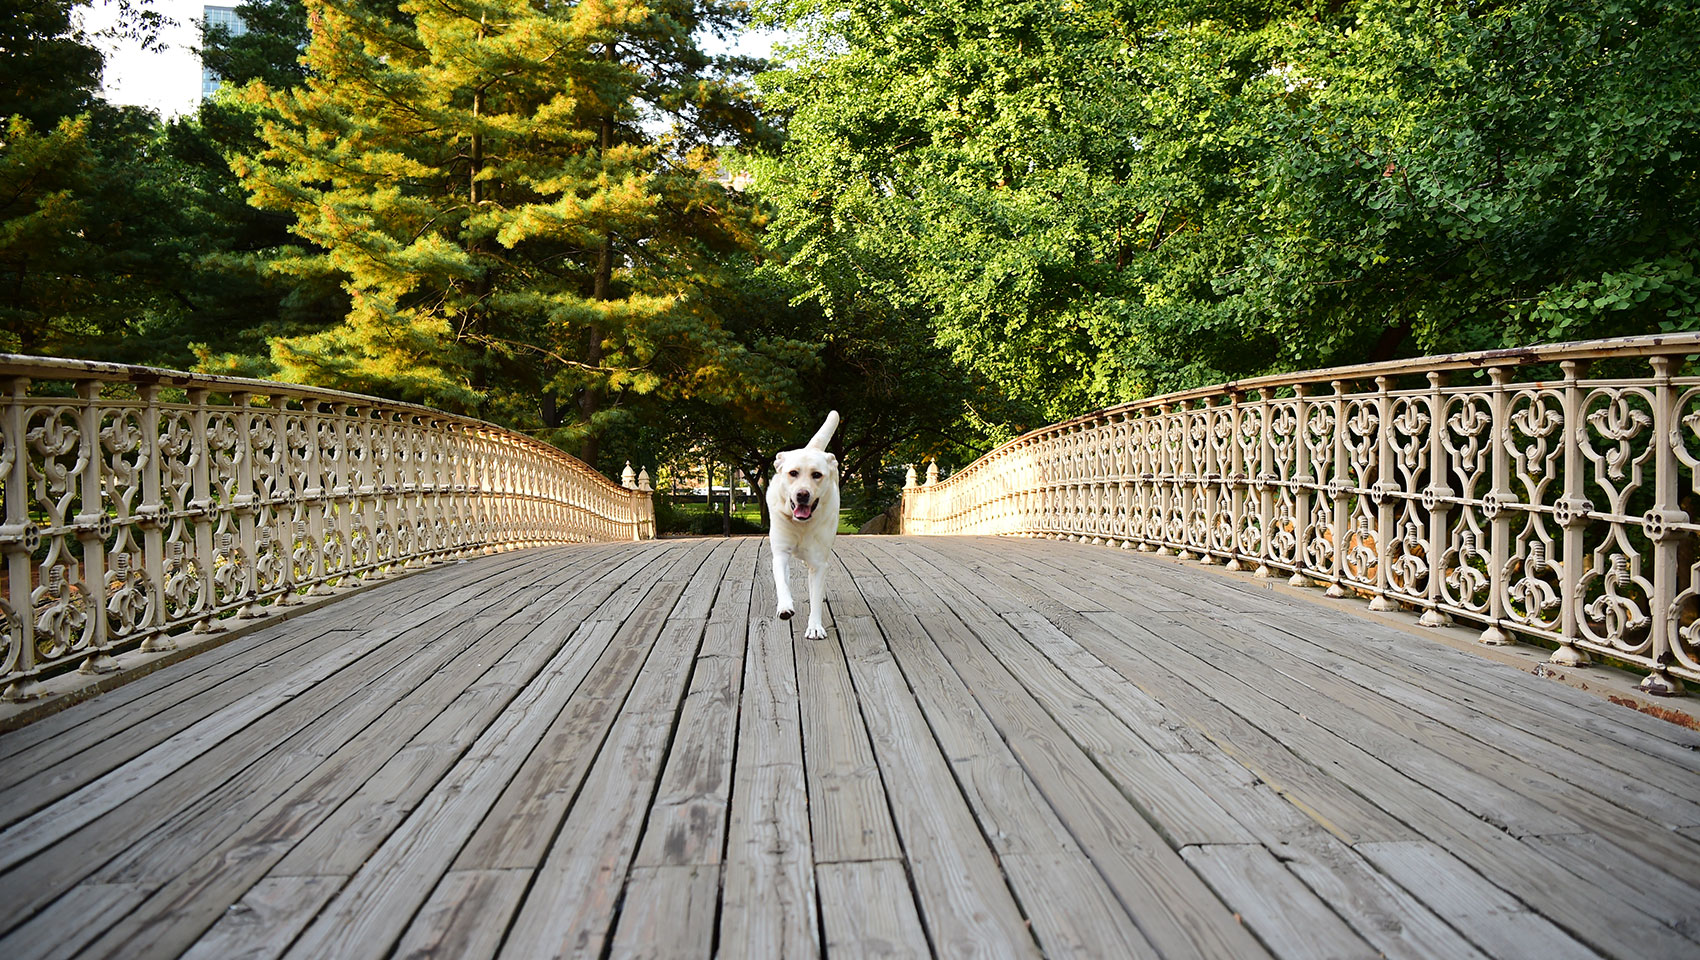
(802,511)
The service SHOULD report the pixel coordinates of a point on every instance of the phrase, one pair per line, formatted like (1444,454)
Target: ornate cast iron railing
(140,501)
(1549,492)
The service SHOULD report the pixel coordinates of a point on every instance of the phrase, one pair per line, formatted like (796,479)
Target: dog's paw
(815,632)
(785,613)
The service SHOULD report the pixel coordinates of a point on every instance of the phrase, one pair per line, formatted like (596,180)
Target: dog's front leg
(817,600)
(782,583)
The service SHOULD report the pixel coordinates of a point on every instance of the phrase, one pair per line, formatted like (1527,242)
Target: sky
(169,80)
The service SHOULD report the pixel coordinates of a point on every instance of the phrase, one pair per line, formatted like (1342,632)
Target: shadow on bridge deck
(1003,748)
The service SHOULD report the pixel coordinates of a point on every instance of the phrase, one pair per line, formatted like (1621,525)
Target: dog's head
(802,477)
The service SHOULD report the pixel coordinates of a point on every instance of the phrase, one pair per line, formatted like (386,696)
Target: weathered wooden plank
(668,914)
(1445,668)
(349,835)
(519,828)
(197,687)
(108,779)
(466,915)
(1185,814)
(687,819)
(1308,786)
(368,914)
(1009,807)
(1380,911)
(847,805)
(1283,912)
(1661,888)
(569,910)
(1498,786)
(967,908)
(190,902)
(867,912)
(1497,855)
(1331,634)
(65,928)
(361,808)
(1178,915)
(1490,784)
(1492,919)
(768,906)
(1572,753)
(262,924)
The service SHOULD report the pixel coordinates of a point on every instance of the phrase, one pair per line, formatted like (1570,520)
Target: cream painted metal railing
(141,501)
(1549,492)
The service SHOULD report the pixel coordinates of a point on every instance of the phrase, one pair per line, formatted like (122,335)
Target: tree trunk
(726,518)
(601,291)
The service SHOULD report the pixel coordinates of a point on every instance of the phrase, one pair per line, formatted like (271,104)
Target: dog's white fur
(805,481)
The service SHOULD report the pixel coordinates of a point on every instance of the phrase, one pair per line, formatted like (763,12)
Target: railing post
(1337,493)
(1662,525)
(286,502)
(1238,480)
(1494,507)
(201,508)
(20,538)
(93,525)
(1264,484)
(1168,472)
(1571,512)
(1304,489)
(1381,494)
(1437,499)
(243,504)
(1212,477)
(150,516)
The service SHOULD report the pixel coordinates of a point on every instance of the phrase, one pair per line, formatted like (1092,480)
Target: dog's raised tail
(823,436)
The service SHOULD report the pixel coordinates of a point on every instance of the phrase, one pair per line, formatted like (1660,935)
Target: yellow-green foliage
(466,168)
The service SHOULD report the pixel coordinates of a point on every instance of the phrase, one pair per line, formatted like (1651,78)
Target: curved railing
(140,501)
(1509,489)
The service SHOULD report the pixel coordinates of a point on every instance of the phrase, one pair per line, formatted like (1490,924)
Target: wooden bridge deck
(1003,748)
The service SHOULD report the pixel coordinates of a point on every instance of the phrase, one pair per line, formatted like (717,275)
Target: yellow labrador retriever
(802,501)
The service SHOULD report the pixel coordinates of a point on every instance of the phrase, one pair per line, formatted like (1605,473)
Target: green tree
(516,231)
(1088,203)
(48,69)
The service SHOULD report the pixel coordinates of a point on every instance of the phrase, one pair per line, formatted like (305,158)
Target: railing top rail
(1669,344)
(60,368)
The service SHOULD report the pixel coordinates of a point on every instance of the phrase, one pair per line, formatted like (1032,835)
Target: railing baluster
(1163,475)
(185,514)
(1661,524)
(1437,499)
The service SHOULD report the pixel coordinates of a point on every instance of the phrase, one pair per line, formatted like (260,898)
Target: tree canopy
(950,221)
(1096,202)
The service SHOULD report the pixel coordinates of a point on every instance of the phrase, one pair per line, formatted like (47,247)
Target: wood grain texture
(1003,748)
(868,913)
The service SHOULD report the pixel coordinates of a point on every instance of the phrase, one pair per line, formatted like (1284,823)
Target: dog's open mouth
(803,510)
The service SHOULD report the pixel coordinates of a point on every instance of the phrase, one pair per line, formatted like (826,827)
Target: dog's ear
(833,461)
(779,462)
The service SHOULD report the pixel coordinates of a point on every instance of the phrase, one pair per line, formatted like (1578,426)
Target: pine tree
(513,229)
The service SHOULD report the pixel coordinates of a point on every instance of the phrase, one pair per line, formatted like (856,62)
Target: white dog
(802,501)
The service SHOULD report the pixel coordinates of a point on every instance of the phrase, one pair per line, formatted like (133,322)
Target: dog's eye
(794,473)
(816,474)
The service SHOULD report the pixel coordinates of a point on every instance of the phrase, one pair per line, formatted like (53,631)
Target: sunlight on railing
(141,501)
(1548,492)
